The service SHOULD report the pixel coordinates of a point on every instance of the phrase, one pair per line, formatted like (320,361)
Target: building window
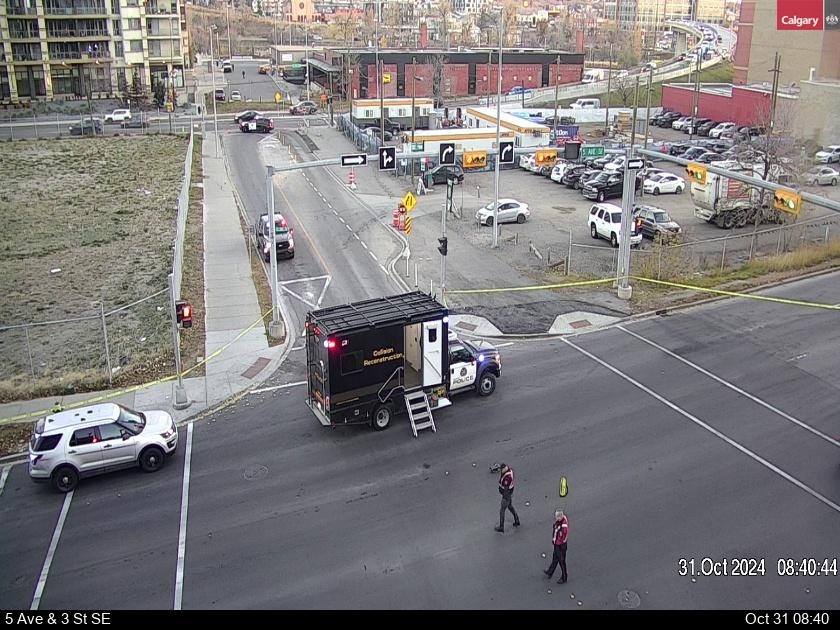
(118,49)
(135,45)
(117,27)
(133,24)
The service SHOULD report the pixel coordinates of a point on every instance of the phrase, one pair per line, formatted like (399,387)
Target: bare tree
(443,11)
(343,27)
(542,33)
(438,63)
(624,88)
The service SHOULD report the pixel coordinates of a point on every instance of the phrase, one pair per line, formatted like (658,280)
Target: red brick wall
(744,107)
(456,79)
(518,73)
(744,42)
(388,89)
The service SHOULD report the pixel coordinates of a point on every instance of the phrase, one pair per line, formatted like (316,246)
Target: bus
(293,73)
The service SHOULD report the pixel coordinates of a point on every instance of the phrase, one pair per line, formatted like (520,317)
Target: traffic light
(787,201)
(183,313)
(444,245)
(544,158)
(475,159)
(696,172)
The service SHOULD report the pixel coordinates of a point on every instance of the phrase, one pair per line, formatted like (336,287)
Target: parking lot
(558,222)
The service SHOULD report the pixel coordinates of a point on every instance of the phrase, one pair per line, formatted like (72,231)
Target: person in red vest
(560,533)
(506,483)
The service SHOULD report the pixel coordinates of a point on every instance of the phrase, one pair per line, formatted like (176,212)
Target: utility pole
(647,117)
(556,96)
(413,98)
(635,112)
(695,100)
(498,133)
(380,76)
(609,94)
(276,326)
(227,15)
(777,69)
(306,46)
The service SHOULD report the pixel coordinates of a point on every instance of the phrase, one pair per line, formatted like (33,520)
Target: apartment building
(651,15)
(78,49)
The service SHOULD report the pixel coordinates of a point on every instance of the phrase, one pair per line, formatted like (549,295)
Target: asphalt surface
(665,462)
(341,249)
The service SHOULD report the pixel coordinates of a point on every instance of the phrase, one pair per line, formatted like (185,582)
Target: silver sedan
(822,175)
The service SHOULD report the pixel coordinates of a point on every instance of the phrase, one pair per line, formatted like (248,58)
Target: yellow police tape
(751,296)
(133,388)
(538,287)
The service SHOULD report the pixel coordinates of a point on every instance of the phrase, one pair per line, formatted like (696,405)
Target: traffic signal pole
(179,394)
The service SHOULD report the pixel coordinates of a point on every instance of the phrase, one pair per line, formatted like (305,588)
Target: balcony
(25,57)
(70,8)
(76,33)
(20,10)
(75,55)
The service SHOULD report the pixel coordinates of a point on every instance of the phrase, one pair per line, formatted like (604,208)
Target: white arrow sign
(446,152)
(507,149)
(354,160)
(635,165)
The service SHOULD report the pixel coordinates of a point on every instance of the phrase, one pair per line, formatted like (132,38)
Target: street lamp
(498,134)
(227,16)
(213,73)
(556,96)
(306,47)
(523,90)
(414,80)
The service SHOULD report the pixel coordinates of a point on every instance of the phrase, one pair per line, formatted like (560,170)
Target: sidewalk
(244,359)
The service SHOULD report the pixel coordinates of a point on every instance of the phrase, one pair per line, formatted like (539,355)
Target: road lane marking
(182,527)
(275,387)
(734,388)
(356,236)
(382,267)
(342,219)
(364,244)
(348,227)
(772,467)
(372,255)
(45,570)
(3,478)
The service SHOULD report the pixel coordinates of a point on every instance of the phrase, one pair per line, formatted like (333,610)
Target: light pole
(647,120)
(523,90)
(306,48)
(380,80)
(227,16)
(213,74)
(498,134)
(413,98)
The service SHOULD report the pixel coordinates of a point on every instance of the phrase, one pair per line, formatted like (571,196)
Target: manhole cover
(255,472)
(629,599)
(563,209)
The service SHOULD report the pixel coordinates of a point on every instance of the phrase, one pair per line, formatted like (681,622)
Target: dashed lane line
(45,570)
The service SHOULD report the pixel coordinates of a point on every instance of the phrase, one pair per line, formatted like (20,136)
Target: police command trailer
(368,360)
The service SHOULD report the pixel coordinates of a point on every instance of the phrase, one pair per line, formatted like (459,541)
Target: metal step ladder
(419,412)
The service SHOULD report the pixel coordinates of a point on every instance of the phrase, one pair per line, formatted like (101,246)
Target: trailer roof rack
(377,312)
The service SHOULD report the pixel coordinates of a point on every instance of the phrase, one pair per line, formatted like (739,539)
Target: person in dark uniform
(560,533)
(506,484)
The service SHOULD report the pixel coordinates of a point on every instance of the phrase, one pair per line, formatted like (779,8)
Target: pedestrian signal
(696,172)
(443,248)
(183,313)
(787,201)
(544,158)
(475,159)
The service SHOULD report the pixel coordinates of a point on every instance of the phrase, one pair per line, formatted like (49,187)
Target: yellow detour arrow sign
(409,201)
(278,98)
(408,225)
(564,487)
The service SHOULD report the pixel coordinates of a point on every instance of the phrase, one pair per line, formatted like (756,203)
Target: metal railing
(396,373)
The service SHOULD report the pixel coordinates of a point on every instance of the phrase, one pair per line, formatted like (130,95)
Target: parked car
(828,155)
(706,128)
(264,68)
(692,129)
(510,211)
(246,116)
(606,186)
(559,169)
(235,95)
(87,127)
(667,119)
(655,223)
(693,153)
(679,122)
(528,162)
(442,172)
(86,441)
(374,132)
(678,148)
(220,95)
(284,236)
(708,157)
(721,128)
(659,183)
(135,123)
(258,125)
(304,107)
(572,175)
(822,175)
(605,222)
(118,116)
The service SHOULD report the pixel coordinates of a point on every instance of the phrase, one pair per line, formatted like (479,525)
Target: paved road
(260,87)
(665,462)
(341,250)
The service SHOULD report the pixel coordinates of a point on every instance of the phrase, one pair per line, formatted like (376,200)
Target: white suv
(118,116)
(605,222)
(101,438)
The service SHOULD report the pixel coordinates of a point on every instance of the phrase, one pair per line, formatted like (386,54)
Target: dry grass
(192,279)
(235,107)
(102,211)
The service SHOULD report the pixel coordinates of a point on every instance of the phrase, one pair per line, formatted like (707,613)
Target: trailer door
(432,353)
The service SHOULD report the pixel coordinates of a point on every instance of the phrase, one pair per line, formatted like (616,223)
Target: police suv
(473,365)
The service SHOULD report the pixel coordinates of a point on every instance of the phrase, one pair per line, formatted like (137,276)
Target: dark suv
(606,186)
(439,174)
(283,234)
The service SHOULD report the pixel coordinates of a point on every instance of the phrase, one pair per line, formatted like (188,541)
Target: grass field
(87,221)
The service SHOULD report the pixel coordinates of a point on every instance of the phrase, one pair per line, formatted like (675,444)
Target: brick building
(441,73)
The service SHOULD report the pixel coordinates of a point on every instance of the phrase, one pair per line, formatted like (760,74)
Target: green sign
(592,151)
(417,146)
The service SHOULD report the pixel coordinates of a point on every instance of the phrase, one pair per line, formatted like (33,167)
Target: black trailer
(368,360)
